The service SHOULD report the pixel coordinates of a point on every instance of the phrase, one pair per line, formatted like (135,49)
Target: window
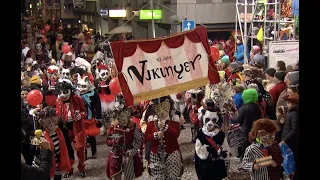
(68,7)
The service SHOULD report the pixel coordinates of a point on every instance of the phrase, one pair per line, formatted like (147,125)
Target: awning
(121,29)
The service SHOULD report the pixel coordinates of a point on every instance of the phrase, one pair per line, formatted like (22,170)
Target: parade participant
(48,86)
(35,70)
(179,104)
(193,104)
(58,52)
(125,140)
(82,63)
(92,102)
(136,117)
(72,111)
(107,99)
(67,60)
(163,130)
(65,74)
(263,145)
(60,162)
(209,155)
(39,53)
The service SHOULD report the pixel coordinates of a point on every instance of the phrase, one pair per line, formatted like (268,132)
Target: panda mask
(210,126)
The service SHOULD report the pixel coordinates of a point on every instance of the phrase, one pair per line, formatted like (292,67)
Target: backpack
(288,159)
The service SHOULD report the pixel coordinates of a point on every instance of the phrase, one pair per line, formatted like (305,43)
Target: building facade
(216,15)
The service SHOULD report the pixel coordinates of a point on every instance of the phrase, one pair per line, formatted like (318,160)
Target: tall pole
(245,32)
(152,20)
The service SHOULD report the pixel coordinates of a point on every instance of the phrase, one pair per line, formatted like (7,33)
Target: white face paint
(53,72)
(65,94)
(103,74)
(65,74)
(210,120)
(83,84)
(38,47)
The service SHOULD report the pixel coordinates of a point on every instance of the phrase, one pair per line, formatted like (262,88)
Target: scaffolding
(262,14)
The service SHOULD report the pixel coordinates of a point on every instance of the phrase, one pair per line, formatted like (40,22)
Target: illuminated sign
(118,13)
(147,14)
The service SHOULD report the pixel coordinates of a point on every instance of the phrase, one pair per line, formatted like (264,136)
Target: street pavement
(96,167)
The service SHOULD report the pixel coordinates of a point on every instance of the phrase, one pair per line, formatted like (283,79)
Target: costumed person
(136,117)
(263,157)
(92,102)
(193,104)
(125,139)
(57,50)
(180,104)
(209,153)
(65,74)
(82,63)
(163,130)
(39,53)
(72,111)
(60,161)
(67,60)
(49,86)
(107,99)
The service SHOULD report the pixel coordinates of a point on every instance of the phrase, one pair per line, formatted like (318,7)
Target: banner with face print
(154,68)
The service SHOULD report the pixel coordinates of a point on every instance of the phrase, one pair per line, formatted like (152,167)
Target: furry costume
(263,144)
(92,102)
(72,111)
(125,140)
(193,104)
(48,86)
(163,130)
(209,155)
(53,134)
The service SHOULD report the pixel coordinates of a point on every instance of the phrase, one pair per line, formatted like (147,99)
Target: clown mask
(103,74)
(210,126)
(53,72)
(163,110)
(123,117)
(264,138)
(83,84)
(65,74)
(65,94)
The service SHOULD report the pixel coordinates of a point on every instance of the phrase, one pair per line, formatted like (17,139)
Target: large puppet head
(84,85)
(263,132)
(65,73)
(48,119)
(65,88)
(196,96)
(163,110)
(210,118)
(122,117)
(102,72)
(53,72)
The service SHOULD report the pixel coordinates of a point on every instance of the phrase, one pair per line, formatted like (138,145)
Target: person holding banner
(163,130)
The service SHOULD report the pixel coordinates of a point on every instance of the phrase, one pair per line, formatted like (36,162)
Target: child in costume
(262,136)
(193,105)
(209,155)
(72,111)
(125,139)
(163,130)
(60,161)
(92,102)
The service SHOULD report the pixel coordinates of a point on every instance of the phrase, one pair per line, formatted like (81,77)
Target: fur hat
(280,75)
(234,65)
(293,98)
(271,72)
(250,96)
(293,77)
(35,80)
(225,59)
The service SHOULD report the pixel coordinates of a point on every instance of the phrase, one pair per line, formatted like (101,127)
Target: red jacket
(276,91)
(170,139)
(76,103)
(64,164)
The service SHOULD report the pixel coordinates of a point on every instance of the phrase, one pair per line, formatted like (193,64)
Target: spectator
(279,87)
(281,66)
(237,97)
(270,78)
(239,54)
(43,171)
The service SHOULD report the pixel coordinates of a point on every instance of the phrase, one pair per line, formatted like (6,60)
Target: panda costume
(209,154)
